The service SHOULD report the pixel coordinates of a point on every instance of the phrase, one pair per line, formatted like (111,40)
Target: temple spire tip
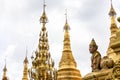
(112,11)
(44,5)
(66,14)
(66,27)
(26,60)
(43,18)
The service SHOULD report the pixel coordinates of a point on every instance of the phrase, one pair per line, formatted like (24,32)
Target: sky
(20,28)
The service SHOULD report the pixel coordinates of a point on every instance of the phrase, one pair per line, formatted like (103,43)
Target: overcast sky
(20,27)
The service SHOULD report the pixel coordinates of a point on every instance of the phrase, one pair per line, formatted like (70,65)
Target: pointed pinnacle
(43,18)
(5,69)
(112,11)
(26,60)
(66,27)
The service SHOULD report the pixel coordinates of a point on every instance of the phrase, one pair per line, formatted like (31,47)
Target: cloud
(20,27)
(10,50)
(90,10)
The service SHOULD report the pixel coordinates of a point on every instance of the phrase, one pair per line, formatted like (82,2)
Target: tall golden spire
(67,66)
(112,14)
(42,64)
(4,72)
(66,45)
(25,71)
(113,29)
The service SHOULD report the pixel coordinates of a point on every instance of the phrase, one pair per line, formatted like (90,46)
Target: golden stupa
(67,66)
(42,64)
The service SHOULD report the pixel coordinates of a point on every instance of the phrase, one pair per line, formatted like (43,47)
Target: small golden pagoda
(67,66)
(113,29)
(4,73)
(110,64)
(116,46)
(42,64)
(25,71)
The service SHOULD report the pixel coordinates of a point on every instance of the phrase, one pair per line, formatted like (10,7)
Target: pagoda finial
(112,14)
(26,60)
(25,71)
(44,5)
(43,18)
(66,27)
(5,69)
(4,72)
(66,15)
(112,11)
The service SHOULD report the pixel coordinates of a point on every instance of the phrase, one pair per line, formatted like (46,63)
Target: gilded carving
(106,63)
(96,56)
(116,70)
